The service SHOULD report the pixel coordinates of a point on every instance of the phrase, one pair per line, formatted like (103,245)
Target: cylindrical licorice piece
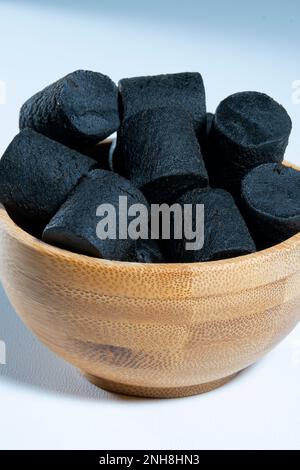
(271,203)
(76,224)
(224,231)
(77,110)
(36,176)
(248,129)
(158,151)
(184,90)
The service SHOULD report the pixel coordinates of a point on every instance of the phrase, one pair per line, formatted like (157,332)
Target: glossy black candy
(74,227)
(225,232)
(79,109)
(158,151)
(271,202)
(36,176)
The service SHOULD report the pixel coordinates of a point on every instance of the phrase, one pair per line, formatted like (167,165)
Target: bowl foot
(157,392)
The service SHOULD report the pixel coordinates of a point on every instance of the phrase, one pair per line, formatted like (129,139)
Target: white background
(44,402)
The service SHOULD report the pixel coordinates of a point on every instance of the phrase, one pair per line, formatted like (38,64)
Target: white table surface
(44,402)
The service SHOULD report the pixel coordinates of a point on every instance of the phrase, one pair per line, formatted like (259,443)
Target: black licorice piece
(225,232)
(79,109)
(158,151)
(74,226)
(271,203)
(184,90)
(36,176)
(248,129)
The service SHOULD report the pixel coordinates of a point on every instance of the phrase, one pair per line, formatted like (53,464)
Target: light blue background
(236,45)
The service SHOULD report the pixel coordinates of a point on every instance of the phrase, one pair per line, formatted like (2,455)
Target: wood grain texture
(152,330)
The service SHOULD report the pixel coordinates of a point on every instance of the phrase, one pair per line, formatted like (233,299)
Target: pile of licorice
(169,151)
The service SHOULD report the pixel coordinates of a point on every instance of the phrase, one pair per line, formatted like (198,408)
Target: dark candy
(74,225)
(147,251)
(36,176)
(209,121)
(225,232)
(271,200)
(248,129)
(99,152)
(205,140)
(157,150)
(184,90)
(79,109)
(168,150)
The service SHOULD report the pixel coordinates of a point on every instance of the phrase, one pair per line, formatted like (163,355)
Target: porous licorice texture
(225,232)
(248,129)
(158,151)
(184,90)
(79,109)
(271,203)
(74,227)
(36,176)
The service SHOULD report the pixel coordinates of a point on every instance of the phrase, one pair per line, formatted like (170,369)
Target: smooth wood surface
(152,330)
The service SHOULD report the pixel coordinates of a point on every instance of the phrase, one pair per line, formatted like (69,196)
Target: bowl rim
(44,248)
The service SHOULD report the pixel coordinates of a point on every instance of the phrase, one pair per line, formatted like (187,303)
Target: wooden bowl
(167,330)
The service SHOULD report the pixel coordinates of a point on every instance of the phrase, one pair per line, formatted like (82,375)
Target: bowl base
(157,392)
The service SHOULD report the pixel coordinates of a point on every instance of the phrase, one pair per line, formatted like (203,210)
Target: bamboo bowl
(167,330)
